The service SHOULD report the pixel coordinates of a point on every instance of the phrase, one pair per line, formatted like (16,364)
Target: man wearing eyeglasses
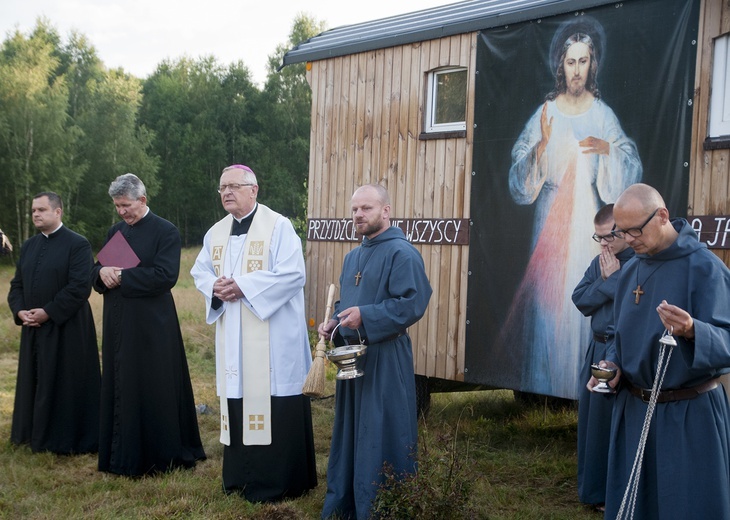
(675,283)
(251,273)
(148,423)
(593,296)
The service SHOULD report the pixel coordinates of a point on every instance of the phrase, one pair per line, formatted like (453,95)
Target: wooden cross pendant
(358,276)
(638,292)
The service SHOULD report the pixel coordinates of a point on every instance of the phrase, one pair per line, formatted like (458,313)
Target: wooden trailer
(430,105)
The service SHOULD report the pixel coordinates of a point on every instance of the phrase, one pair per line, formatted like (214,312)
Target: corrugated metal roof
(437,22)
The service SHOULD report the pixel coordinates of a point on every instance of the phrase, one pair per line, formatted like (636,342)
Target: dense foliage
(70,125)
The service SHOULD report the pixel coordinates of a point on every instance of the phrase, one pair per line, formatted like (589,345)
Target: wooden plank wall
(710,169)
(367,114)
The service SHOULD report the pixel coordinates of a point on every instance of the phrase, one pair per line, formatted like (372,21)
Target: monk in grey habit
(383,291)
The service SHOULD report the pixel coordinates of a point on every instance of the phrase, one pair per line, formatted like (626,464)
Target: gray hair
(249,177)
(127,185)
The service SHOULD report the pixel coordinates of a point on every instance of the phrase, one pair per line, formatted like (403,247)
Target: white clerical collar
(52,232)
(239,220)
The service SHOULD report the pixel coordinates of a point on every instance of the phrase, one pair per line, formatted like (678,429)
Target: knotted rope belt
(680,394)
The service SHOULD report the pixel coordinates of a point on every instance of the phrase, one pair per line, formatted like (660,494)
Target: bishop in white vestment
(251,273)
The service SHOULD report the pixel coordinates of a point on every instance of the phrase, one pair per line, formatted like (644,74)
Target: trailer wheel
(423,396)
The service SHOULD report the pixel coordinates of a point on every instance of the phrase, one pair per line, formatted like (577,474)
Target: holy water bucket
(346,356)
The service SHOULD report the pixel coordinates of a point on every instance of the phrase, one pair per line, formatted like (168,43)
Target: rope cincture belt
(628,504)
(680,394)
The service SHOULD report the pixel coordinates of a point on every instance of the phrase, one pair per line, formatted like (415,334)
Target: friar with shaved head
(675,283)
(383,291)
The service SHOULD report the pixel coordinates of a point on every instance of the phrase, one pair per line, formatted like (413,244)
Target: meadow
(483,455)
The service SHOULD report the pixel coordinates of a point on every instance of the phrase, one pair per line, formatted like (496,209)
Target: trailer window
(446,100)
(720,93)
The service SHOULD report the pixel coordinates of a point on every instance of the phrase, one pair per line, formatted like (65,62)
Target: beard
(576,88)
(370,229)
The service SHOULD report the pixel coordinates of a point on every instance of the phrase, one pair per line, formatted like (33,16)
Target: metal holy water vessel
(346,357)
(604,375)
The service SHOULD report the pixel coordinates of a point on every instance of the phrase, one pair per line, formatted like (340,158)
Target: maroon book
(118,253)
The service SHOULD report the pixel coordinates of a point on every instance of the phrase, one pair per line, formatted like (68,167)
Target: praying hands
(227,290)
(609,263)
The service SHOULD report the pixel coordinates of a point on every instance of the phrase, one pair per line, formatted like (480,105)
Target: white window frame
(431,99)
(720,93)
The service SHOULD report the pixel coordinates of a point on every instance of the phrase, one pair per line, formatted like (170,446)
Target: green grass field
(483,455)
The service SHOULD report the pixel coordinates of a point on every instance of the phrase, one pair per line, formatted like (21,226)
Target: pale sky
(138,34)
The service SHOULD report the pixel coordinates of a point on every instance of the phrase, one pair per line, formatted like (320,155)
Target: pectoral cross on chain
(638,292)
(358,277)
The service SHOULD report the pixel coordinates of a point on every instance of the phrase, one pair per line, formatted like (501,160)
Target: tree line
(70,125)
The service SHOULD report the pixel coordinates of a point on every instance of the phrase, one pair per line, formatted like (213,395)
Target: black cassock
(57,390)
(148,421)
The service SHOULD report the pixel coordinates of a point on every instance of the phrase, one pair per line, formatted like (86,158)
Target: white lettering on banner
(712,230)
(696,226)
(331,230)
(720,221)
(418,231)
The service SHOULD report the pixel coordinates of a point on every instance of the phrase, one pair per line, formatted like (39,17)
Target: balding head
(643,219)
(642,194)
(375,190)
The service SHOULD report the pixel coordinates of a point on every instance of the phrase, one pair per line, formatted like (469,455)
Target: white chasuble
(246,370)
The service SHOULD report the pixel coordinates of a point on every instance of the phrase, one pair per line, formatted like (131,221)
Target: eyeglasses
(233,187)
(607,238)
(636,231)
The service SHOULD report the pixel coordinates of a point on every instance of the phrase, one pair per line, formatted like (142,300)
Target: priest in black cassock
(57,392)
(148,421)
